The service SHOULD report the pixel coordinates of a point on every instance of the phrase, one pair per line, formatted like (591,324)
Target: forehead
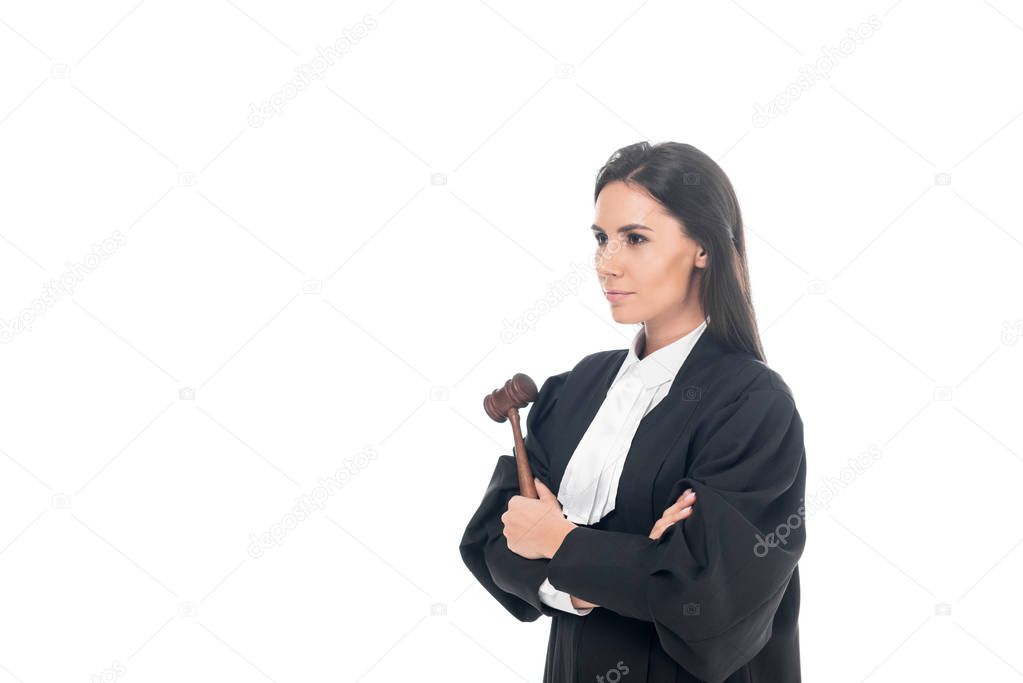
(621,203)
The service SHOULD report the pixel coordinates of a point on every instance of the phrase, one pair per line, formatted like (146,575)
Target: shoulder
(589,366)
(599,360)
(585,371)
(747,400)
(751,374)
(738,383)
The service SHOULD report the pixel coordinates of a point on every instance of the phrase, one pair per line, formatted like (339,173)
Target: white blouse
(590,483)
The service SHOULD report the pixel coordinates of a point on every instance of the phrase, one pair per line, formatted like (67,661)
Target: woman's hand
(535,527)
(579,603)
(681,509)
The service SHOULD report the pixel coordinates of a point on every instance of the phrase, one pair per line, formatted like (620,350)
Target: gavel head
(518,392)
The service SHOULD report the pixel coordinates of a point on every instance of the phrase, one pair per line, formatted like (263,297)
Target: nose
(607,267)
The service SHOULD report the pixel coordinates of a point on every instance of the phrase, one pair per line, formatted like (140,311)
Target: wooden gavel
(504,403)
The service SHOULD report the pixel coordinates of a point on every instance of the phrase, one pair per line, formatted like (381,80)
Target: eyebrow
(624,228)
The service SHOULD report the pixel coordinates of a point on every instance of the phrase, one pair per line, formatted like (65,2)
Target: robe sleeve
(512,579)
(550,595)
(711,584)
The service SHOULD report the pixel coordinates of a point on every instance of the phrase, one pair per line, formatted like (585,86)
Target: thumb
(542,490)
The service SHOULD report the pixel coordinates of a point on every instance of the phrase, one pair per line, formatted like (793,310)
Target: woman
(640,583)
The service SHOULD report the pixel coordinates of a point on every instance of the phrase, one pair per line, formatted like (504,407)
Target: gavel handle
(526,486)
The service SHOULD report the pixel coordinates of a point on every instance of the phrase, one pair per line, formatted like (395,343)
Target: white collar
(663,364)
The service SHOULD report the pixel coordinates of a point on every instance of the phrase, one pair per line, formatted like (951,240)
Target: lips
(615,296)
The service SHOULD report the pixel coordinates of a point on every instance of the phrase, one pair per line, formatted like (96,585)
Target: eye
(633,238)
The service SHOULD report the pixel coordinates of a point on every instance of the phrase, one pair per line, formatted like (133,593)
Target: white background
(335,281)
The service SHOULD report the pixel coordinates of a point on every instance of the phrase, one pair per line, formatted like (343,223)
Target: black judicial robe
(716,597)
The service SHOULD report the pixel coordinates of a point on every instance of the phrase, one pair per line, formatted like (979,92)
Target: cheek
(665,281)
(662,271)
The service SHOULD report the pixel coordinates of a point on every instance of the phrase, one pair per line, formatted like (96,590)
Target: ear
(702,258)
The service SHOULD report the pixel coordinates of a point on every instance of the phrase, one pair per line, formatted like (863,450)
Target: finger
(660,527)
(675,507)
(676,515)
(685,499)
(672,517)
(542,490)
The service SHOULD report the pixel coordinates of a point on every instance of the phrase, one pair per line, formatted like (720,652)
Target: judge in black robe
(716,597)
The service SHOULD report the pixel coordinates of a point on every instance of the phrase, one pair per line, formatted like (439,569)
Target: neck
(657,335)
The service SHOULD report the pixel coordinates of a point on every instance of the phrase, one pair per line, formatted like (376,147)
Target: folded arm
(711,584)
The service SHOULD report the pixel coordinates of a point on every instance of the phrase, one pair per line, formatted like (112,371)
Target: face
(644,251)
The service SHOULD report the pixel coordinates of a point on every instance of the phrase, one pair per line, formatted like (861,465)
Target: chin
(624,317)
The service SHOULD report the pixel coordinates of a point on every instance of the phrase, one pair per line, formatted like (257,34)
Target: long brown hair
(694,189)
